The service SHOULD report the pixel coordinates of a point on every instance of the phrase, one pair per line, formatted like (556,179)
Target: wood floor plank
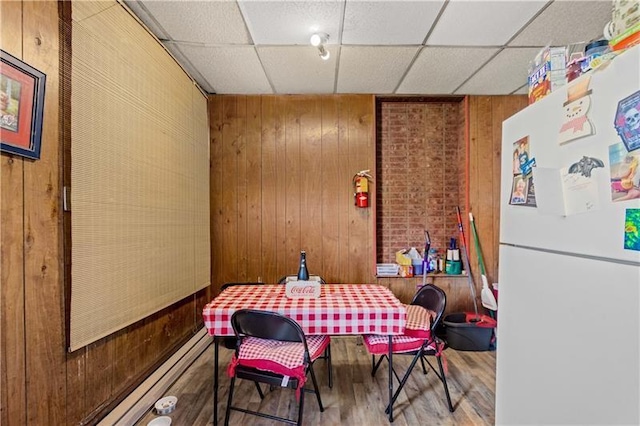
(356,397)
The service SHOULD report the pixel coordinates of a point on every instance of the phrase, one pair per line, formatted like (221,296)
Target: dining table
(340,310)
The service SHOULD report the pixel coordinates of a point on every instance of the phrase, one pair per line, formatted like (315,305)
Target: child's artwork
(627,121)
(576,123)
(631,226)
(625,176)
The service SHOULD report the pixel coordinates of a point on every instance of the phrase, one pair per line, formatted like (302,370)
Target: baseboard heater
(143,398)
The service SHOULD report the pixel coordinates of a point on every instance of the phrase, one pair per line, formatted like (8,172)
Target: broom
(487,297)
(465,259)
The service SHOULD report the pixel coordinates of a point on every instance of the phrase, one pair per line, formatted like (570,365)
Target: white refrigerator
(568,336)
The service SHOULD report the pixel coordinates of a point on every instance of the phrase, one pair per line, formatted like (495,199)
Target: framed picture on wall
(21,107)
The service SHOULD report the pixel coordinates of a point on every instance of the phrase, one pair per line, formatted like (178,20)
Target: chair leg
(330,366)
(301,405)
(315,387)
(402,382)
(375,365)
(259,390)
(226,416)
(424,368)
(444,383)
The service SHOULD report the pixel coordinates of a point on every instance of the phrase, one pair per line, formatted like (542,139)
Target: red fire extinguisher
(361,188)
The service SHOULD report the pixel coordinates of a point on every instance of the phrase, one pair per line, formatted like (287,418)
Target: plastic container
(464,334)
(598,47)
(453,267)
(417,266)
(594,50)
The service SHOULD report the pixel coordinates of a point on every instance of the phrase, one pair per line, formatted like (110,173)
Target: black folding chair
(420,340)
(273,349)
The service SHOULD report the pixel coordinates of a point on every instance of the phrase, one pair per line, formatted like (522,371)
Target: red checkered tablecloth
(341,309)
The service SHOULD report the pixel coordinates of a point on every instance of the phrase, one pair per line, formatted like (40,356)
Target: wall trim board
(143,398)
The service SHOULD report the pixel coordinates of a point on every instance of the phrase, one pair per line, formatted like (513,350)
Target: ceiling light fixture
(319,40)
(324,53)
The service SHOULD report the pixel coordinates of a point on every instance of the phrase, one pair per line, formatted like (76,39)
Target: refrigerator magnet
(627,121)
(631,227)
(576,123)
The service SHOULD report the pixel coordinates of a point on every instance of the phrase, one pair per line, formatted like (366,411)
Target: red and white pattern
(285,358)
(341,309)
(288,354)
(419,321)
(379,345)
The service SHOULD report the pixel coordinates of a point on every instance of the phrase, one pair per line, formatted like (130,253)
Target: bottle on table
(303,272)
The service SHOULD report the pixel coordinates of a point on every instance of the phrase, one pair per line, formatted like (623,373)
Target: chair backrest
(268,325)
(288,278)
(433,298)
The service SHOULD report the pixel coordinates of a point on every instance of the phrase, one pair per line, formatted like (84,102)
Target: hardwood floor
(356,397)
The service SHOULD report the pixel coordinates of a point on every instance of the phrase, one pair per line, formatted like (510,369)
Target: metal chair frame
(269,325)
(432,298)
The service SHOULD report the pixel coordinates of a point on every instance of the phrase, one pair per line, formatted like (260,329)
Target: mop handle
(477,244)
(465,259)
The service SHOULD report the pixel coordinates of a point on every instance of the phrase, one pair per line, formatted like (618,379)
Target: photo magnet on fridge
(627,121)
(625,173)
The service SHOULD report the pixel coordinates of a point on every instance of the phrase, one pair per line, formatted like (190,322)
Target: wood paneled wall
(281,170)
(281,182)
(485,115)
(42,384)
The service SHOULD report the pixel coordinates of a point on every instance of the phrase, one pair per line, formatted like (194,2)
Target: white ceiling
(428,47)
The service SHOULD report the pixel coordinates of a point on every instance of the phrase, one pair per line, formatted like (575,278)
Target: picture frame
(22,90)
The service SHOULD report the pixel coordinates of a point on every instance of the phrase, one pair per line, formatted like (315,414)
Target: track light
(324,53)
(319,40)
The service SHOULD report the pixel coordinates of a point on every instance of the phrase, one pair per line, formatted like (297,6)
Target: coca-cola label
(302,289)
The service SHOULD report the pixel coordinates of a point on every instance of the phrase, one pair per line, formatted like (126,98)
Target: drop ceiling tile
(299,69)
(503,74)
(291,22)
(482,23)
(189,67)
(440,70)
(229,69)
(147,19)
(388,22)
(207,22)
(566,22)
(385,67)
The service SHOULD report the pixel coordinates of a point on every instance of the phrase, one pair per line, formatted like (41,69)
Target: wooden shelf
(438,275)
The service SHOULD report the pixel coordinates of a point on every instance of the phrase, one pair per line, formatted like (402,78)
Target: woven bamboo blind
(139,175)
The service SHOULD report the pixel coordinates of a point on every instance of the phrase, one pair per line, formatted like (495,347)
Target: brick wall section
(420,175)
